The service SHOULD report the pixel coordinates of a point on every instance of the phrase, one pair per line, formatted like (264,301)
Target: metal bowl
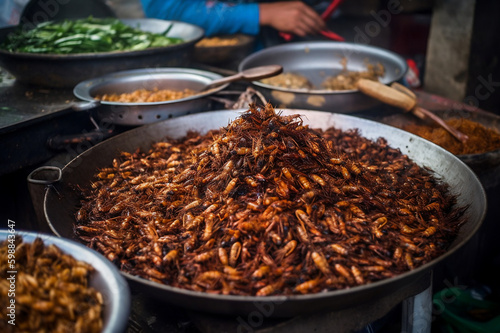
(61,202)
(485,165)
(106,278)
(145,113)
(55,70)
(224,54)
(316,61)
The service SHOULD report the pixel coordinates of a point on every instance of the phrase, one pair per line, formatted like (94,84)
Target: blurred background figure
(258,18)
(10,11)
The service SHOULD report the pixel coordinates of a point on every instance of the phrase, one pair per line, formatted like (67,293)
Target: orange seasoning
(481,139)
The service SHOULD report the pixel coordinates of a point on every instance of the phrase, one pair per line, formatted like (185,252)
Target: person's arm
(213,16)
(292,17)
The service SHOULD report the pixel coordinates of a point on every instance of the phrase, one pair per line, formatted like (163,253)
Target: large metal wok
(316,61)
(62,200)
(54,70)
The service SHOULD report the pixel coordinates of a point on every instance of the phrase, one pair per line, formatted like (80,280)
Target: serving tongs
(401,97)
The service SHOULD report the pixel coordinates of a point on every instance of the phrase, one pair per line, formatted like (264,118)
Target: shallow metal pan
(61,203)
(55,70)
(132,114)
(316,61)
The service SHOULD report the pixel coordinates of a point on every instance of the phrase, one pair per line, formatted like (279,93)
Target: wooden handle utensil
(403,98)
(386,94)
(250,74)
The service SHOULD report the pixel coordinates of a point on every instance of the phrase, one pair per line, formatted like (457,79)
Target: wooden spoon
(401,97)
(250,74)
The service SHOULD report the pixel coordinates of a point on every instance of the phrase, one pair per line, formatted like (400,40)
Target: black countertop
(22,105)
(29,117)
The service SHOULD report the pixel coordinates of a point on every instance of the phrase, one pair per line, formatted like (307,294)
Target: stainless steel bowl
(147,78)
(221,55)
(106,278)
(317,60)
(55,70)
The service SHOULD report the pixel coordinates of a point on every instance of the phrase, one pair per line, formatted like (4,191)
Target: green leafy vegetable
(87,35)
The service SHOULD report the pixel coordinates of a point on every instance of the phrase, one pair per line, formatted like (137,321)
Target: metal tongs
(401,97)
(326,14)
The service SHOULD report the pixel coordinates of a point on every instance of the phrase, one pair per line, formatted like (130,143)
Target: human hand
(292,17)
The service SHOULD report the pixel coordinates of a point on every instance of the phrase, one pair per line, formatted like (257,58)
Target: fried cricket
(266,206)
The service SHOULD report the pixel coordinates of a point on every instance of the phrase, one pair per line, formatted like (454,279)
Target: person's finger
(313,20)
(311,26)
(307,26)
(302,30)
(309,22)
(291,17)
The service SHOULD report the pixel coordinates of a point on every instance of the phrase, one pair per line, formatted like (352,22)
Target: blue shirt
(216,17)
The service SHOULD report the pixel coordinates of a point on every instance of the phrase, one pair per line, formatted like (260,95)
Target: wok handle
(84,106)
(386,94)
(45,175)
(39,182)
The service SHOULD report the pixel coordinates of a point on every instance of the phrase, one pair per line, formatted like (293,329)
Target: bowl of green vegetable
(63,53)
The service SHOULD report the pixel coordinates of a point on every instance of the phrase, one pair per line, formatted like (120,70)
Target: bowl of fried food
(322,75)
(481,151)
(146,95)
(52,284)
(223,49)
(267,210)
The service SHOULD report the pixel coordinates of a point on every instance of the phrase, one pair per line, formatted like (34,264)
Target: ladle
(250,74)
(401,97)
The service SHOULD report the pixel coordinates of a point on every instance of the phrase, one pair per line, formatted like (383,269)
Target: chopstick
(330,9)
(332,35)
(325,15)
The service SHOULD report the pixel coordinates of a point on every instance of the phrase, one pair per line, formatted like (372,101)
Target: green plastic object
(465,313)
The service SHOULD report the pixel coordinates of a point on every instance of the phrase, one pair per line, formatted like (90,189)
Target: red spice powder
(481,139)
